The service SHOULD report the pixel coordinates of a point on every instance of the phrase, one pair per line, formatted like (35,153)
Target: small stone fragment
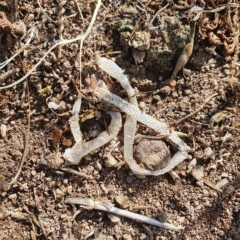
(165,90)
(98,166)
(163,217)
(110,161)
(200,183)
(127,237)
(59,193)
(13,196)
(191,165)
(197,172)
(3,130)
(222,182)
(122,201)
(114,218)
(209,154)
(143,236)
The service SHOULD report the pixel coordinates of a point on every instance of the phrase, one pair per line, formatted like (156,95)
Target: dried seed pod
(184,57)
(3,130)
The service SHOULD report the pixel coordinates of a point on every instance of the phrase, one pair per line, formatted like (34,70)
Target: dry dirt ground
(33,205)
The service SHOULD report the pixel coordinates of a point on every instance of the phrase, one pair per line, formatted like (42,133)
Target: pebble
(163,217)
(154,154)
(165,90)
(12,196)
(143,236)
(142,105)
(197,172)
(114,218)
(222,182)
(209,154)
(69,189)
(59,193)
(200,183)
(98,166)
(205,192)
(174,95)
(191,165)
(230,189)
(110,161)
(127,237)
(129,179)
(122,201)
(224,174)
(3,131)
(187,92)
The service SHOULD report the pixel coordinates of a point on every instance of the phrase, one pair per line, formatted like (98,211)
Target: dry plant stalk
(25,152)
(197,110)
(60,23)
(5,24)
(7,27)
(88,203)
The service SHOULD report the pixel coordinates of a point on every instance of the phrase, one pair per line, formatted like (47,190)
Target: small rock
(3,130)
(230,189)
(174,95)
(163,217)
(197,172)
(165,90)
(127,237)
(122,201)
(129,179)
(154,154)
(200,183)
(114,218)
(205,192)
(191,165)
(69,189)
(187,92)
(143,236)
(222,182)
(110,161)
(98,166)
(63,216)
(142,105)
(209,154)
(12,196)
(59,193)
(224,174)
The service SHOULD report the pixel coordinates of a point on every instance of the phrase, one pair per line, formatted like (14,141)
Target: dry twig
(88,203)
(196,111)
(25,152)
(60,23)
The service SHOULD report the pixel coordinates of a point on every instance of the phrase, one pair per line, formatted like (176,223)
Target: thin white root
(31,36)
(80,149)
(88,203)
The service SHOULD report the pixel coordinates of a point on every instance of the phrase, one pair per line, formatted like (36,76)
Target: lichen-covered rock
(153,154)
